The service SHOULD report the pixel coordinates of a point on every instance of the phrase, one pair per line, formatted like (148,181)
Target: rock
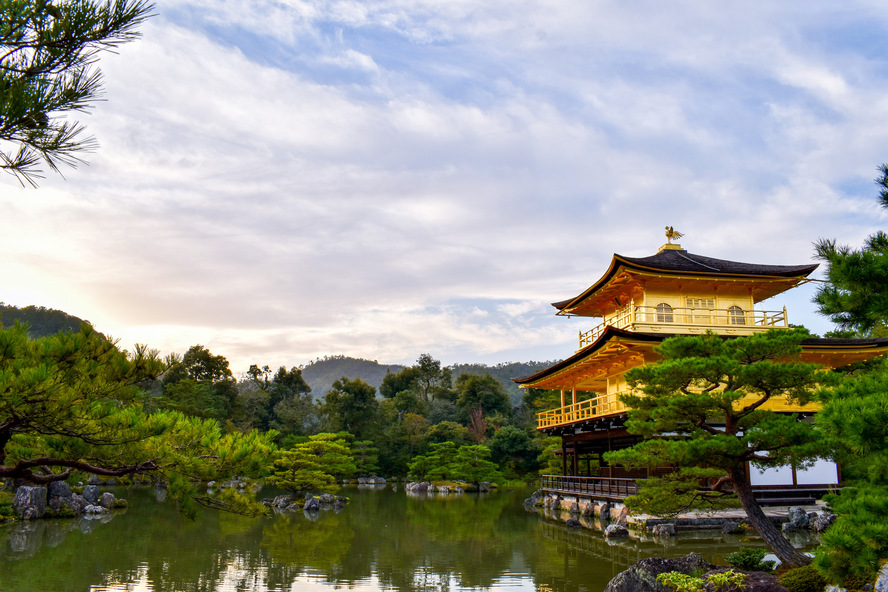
(484,486)
(458,489)
(615,531)
(91,494)
(823,521)
(59,489)
(663,530)
(421,487)
(211,485)
(338,504)
(93,510)
(605,511)
(282,501)
(642,577)
(882,580)
(312,503)
(798,517)
(573,523)
(733,527)
(107,500)
(78,502)
(327,498)
(574,508)
(29,502)
(622,520)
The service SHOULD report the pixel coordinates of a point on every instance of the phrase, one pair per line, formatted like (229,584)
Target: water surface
(383,540)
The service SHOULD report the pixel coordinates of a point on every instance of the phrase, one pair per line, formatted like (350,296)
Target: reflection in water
(383,540)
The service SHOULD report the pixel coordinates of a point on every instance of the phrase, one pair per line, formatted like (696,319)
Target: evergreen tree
(313,466)
(855,296)
(701,412)
(855,415)
(71,402)
(48,52)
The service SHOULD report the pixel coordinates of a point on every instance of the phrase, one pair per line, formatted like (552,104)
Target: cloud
(281,180)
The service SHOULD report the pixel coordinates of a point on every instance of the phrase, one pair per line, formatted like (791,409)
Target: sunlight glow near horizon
(281,181)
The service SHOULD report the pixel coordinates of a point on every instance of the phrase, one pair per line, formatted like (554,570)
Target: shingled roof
(677,261)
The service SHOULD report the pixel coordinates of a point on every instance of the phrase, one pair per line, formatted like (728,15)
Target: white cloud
(281,180)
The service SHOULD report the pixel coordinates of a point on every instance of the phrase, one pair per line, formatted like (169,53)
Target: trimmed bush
(803,579)
(750,559)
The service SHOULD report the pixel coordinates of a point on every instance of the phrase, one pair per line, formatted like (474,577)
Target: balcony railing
(597,406)
(598,487)
(609,404)
(730,318)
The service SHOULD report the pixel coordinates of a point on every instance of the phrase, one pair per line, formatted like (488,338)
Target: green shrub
(750,559)
(726,580)
(803,579)
(6,510)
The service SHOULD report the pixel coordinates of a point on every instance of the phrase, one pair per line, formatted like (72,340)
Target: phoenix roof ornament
(671,233)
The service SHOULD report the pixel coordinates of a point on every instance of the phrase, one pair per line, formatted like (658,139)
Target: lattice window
(701,303)
(737,316)
(664,313)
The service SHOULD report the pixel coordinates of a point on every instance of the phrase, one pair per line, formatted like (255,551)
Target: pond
(383,540)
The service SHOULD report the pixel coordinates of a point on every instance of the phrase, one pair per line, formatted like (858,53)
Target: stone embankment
(593,514)
(419,487)
(308,503)
(58,500)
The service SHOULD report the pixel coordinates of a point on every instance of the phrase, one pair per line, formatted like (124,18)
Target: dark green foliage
(446,462)
(292,409)
(366,458)
(47,71)
(199,384)
(855,296)
(750,559)
(855,416)
(396,382)
(71,402)
(802,579)
(701,413)
(314,466)
(350,406)
(482,392)
(447,431)
(514,450)
(504,373)
(41,322)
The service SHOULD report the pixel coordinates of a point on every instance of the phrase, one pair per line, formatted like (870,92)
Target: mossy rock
(120,503)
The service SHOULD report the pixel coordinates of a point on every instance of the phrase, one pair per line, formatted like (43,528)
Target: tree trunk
(787,554)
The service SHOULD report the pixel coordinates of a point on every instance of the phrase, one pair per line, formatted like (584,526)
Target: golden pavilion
(641,301)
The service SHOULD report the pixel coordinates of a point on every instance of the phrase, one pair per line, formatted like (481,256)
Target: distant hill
(321,373)
(41,321)
(504,372)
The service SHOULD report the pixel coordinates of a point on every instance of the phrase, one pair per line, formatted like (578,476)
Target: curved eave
(835,353)
(831,353)
(784,277)
(609,337)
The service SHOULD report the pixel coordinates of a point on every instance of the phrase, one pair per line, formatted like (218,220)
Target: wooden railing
(601,487)
(615,488)
(735,318)
(597,406)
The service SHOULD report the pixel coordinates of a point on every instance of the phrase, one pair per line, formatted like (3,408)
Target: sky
(283,180)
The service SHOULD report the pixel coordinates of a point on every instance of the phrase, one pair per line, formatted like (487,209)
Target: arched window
(737,316)
(664,313)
